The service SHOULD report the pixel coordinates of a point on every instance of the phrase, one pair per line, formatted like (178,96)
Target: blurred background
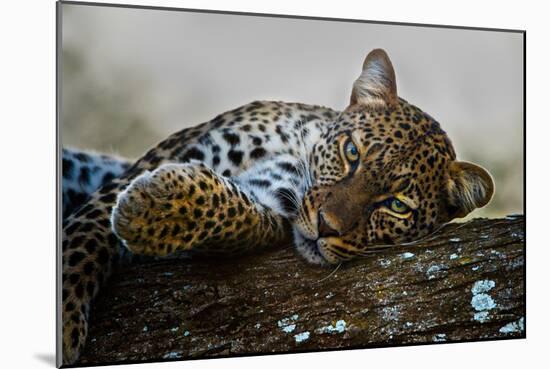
(130,77)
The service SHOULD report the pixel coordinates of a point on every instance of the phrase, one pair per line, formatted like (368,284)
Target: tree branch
(464,283)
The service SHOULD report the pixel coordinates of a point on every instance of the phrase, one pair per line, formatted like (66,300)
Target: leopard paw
(168,209)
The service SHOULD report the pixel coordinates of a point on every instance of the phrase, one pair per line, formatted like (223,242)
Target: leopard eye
(397,206)
(351,152)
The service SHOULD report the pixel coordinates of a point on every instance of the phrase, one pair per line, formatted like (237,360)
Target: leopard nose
(324,229)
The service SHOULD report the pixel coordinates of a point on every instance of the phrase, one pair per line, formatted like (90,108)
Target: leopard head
(384,173)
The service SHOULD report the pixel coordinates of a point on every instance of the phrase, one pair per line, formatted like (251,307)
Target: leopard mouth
(308,248)
(318,250)
(330,249)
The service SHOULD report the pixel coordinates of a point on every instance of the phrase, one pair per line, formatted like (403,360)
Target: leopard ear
(468,187)
(376,86)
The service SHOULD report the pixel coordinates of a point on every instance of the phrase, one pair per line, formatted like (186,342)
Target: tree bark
(464,283)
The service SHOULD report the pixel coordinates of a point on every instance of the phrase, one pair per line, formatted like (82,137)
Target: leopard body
(336,184)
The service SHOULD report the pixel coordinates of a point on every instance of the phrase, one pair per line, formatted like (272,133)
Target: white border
(27,31)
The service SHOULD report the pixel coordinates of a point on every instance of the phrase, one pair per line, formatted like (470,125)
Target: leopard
(336,184)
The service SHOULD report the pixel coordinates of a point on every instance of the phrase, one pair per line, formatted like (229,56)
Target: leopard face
(383,173)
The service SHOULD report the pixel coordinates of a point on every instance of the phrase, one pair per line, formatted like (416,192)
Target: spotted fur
(83,172)
(336,184)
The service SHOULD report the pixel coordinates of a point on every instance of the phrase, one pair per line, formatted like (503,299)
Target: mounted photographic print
(240,184)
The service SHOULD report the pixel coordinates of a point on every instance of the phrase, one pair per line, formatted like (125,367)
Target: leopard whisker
(292,199)
(378,248)
(331,274)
